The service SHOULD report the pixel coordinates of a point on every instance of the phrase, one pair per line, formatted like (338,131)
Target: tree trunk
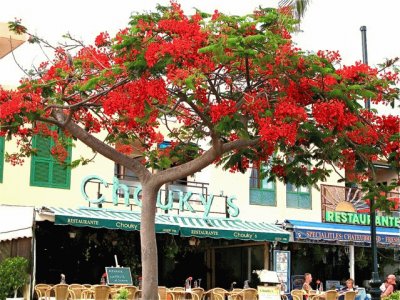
(148,243)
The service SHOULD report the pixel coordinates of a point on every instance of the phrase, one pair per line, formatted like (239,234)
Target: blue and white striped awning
(173,224)
(347,234)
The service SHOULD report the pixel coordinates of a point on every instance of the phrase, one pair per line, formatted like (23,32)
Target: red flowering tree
(236,82)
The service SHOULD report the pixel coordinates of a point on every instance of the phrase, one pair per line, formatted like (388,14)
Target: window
(123,173)
(298,197)
(46,171)
(262,192)
(1,158)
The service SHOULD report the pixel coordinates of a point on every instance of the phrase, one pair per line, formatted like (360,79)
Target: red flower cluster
(333,115)
(222,109)
(103,39)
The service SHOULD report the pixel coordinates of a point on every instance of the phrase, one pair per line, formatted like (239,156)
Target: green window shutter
(1,158)
(46,171)
(298,197)
(262,192)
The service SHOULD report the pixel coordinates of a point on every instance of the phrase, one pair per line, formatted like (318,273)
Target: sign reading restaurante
(360,219)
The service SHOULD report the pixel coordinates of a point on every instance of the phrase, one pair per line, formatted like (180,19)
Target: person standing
(391,285)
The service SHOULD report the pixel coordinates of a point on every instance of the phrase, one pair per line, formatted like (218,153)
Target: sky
(328,24)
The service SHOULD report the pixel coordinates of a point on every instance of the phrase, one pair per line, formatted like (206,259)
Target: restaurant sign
(360,219)
(357,237)
(344,205)
(134,194)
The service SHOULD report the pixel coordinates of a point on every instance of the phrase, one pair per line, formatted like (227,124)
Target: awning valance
(111,219)
(230,229)
(16,222)
(346,234)
(172,224)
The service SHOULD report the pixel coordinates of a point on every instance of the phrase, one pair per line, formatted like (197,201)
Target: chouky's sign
(184,197)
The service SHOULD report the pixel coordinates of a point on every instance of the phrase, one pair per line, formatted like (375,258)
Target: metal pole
(365,55)
(375,281)
(351,262)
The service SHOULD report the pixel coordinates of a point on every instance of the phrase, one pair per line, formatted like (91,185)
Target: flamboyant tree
(234,83)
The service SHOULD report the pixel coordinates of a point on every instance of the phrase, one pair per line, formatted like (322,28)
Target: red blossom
(222,109)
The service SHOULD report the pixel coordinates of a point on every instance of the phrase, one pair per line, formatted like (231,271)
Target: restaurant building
(215,226)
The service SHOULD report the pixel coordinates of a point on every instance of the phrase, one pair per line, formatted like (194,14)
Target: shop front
(339,247)
(197,237)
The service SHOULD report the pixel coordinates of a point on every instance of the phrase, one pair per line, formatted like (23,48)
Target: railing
(194,193)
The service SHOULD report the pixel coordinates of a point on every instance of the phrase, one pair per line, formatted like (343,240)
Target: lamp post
(375,281)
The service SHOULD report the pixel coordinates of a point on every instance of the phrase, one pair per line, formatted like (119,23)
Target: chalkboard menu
(119,275)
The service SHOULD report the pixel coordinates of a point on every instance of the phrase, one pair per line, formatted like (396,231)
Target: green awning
(111,219)
(231,229)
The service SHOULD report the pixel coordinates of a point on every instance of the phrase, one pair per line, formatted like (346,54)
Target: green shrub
(394,296)
(13,276)
(122,294)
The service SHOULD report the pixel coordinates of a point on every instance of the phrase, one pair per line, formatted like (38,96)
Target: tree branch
(107,151)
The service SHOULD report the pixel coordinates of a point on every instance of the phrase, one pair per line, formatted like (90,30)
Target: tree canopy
(230,90)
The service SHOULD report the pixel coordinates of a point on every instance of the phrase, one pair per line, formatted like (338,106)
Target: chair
(298,293)
(61,292)
(198,291)
(296,297)
(132,291)
(77,289)
(178,288)
(216,292)
(331,295)
(350,295)
(162,292)
(170,294)
(248,294)
(41,289)
(101,292)
(218,297)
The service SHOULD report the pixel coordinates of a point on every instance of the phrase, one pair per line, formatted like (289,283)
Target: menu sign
(282,268)
(119,275)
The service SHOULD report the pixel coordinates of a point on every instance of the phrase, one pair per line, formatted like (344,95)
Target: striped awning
(173,224)
(231,229)
(16,222)
(106,218)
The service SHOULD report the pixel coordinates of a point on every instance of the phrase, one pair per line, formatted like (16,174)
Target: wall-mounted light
(194,241)
(114,242)
(72,234)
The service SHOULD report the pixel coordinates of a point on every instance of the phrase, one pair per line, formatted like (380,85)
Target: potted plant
(13,276)
(122,294)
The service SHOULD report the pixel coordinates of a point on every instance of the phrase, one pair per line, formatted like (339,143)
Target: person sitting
(348,288)
(391,285)
(383,286)
(306,285)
